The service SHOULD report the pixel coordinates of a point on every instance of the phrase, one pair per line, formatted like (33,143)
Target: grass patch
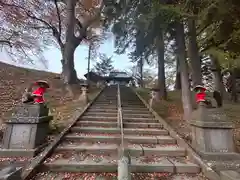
(15,79)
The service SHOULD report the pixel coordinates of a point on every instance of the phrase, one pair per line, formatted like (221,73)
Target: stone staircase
(90,150)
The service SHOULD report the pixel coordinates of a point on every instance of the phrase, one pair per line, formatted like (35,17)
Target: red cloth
(200,96)
(39,92)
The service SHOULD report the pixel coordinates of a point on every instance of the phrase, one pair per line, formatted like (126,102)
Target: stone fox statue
(27,95)
(35,96)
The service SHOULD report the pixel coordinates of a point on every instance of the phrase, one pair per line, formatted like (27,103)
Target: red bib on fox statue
(200,93)
(38,94)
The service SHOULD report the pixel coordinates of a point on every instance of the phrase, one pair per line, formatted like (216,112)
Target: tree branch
(6,42)
(85,26)
(59,18)
(27,12)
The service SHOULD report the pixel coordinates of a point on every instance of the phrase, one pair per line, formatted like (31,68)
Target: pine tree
(104,66)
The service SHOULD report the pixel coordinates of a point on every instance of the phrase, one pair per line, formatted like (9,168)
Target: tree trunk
(69,73)
(89,60)
(178,77)
(162,94)
(194,54)
(140,65)
(217,76)
(181,53)
(234,96)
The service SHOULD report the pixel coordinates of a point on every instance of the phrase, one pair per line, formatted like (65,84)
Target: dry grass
(172,111)
(13,81)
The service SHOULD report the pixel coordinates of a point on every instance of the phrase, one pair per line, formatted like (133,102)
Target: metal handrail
(124,157)
(120,120)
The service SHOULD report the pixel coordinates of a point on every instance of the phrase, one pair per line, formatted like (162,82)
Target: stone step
(137,115)
(107,97)
(165,176)
(102,98)
(100,118)
(117,131)
(137,150)
(106,101)
(133,106)
(137,119)
(132,103)
(130,99)
(113,176)
(97,124)
(141,125)
(135,109)
(75,176)
(105,107)
(109,165)
(134,150)
(101,110)
(116,138)
(97,148)
(101,114)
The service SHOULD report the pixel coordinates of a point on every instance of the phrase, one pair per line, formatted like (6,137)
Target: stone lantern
(153,95)
(212,131)
(84,97)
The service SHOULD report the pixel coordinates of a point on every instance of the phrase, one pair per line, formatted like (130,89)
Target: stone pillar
(26,132)
(212,134)
(124,172)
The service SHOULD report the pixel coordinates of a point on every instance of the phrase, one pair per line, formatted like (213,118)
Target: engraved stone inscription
(20,136)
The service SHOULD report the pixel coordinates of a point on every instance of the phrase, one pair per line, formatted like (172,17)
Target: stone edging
(207,171)
(31,168)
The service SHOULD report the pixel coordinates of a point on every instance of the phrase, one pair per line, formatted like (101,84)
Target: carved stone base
(21,152)
(26,131)
(219,156)
(212,134)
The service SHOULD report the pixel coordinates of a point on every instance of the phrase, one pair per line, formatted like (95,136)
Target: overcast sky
(53,56)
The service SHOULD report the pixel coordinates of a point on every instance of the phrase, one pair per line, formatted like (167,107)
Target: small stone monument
(84,97)
(26,131)
(212,131)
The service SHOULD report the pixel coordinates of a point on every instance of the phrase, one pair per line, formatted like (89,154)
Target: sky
(53,56)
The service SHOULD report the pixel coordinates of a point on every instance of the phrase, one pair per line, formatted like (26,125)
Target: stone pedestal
(212,134)
(26,132)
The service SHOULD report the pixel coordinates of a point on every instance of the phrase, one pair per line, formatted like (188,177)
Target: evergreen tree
(104,66)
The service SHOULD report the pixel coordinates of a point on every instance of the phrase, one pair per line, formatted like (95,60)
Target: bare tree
(63,22)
